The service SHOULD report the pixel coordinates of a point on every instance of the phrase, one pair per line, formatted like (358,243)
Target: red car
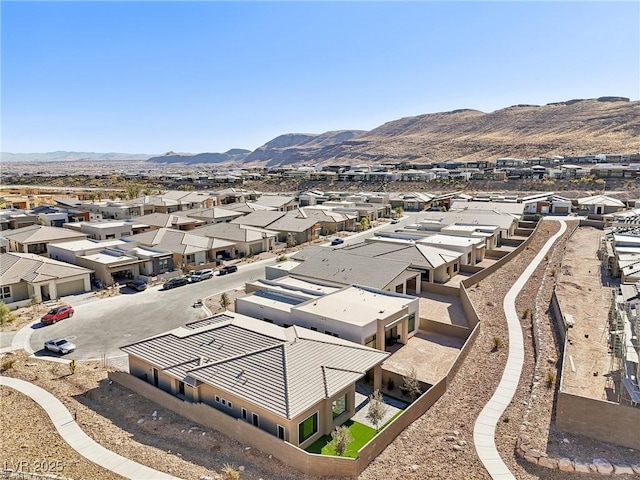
(56,314)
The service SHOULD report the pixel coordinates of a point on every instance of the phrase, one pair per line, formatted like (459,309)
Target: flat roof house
(294,383)
(36,238)
(364,315)
(23,275)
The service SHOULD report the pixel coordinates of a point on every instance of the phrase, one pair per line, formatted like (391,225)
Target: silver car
(59,345)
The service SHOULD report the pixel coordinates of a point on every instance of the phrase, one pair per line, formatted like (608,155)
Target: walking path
(485,426)
(80,441)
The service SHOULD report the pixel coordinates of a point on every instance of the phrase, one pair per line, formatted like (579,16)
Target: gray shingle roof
(233,232)
(283,370)
(178,241)
(42,234)
(260,218)
(348,269)
(17,267)
(424,256)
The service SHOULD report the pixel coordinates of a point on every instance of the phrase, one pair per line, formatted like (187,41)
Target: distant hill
(70,156)
(603,125)
(234,155)
(299,147)
(573,127)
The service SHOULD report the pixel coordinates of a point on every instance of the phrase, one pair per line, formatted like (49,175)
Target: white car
(59,345)
(201,275)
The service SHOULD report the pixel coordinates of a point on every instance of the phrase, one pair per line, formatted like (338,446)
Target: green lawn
(361,435)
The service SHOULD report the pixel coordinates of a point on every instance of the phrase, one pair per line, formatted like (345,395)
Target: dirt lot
(582,295)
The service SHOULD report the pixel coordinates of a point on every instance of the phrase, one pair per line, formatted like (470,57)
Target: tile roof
(283,370)
(167,220)
(601,200)
(233,232)
(178,241)
(17,267)
(41,234)
(275,201)
(260,218)
(347,269)
(417,255)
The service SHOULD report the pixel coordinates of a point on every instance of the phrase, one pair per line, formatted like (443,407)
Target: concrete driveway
(100,326)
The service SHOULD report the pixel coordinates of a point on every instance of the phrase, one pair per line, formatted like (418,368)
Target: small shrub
(551,379)
(225,301)
(505,419)
(283,258)
(497,343)
(340,439)
(553,272)
(229,472)
(525,314)
(72,367)
(7,365)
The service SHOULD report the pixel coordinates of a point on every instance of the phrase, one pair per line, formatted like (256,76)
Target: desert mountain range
(574,127)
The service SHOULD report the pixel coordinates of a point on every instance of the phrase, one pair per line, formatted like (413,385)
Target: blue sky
(149,77)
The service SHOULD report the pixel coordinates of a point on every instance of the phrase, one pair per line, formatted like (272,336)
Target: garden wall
(599,419)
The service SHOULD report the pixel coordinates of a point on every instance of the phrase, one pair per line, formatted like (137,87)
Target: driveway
(100,326)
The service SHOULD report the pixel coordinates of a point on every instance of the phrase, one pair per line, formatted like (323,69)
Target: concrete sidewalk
(80,441)
(485,426)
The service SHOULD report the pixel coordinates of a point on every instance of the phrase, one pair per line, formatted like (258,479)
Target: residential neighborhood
(300,314)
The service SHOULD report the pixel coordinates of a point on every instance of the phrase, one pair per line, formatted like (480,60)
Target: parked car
(59,345)
(175,282)
(395,220)
(199,275)
(337,241)
(228,269)
(137,285)
(56,314)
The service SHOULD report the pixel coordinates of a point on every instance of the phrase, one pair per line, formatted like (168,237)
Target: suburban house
(12,219)
(236,195)
(108,229)
(472,248)
(111,210)
(50,216)
(434,264)
(212,215)
(187,248)
(599,205)
(248,240)
(278,202)
(411,201)
(364,315)
(247,207)
(294,383)
(190,200)
(342,268)
(114,261)
(546,203)
(36,238)
(26,275)
(169,220)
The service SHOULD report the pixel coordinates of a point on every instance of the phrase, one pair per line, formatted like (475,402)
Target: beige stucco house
(294,383)
(23,275)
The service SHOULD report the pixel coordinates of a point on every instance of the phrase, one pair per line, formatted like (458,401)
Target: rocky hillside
(235,155)
(604,125)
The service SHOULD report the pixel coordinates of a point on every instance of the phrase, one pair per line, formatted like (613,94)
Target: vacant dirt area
(582,295)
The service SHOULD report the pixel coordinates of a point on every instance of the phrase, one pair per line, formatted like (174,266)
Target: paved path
(78,440)
(485,426)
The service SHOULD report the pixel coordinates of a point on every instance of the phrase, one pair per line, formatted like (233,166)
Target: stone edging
(597,465)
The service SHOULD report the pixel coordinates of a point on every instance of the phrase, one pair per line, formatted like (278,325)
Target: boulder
(566,465)
(636,468)
(622,469)
(603,466)
(548,462)
(581,467)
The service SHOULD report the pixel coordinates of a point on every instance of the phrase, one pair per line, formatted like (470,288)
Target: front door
(155,377)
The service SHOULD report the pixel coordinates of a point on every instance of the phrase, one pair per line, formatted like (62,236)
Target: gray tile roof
(41,234)
(275,201)
(283,370)
(233,232)
(347,269)
(168,220)
(178,241)
(17,267)
(420,256)
(260,218)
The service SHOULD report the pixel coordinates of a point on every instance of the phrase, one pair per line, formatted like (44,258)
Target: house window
(411,322)
(339,406)
(229,405)
(308,428)
(181,388)
(190,258)
(455,267)
(223,402)
(255,419)
(281,432)
(424,276)
(244,413)
(163,264)
(5,292)
(370,342)
(217,399)
(399,288)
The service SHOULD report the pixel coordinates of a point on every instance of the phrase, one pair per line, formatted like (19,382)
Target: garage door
(70,288)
